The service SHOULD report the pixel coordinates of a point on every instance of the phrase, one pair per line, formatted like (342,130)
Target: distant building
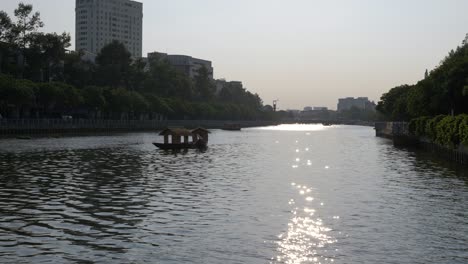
(185,64)
(294,113)
(222,83)
(316,108)
(360,103)
(315,113)
(320,108)
(99,22)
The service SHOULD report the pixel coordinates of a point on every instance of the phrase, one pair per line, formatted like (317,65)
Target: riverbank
(57,127)
(25,127)
(400,134)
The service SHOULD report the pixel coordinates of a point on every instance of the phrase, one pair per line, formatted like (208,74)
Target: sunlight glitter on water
(295,127)
(306,236)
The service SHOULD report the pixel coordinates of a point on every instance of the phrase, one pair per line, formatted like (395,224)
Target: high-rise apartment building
(99,22)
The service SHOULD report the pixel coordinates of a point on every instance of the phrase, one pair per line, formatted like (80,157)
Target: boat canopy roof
(182,131)
(176,132)
(200,130)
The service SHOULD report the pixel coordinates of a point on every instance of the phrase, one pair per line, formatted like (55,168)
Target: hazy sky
(302,52)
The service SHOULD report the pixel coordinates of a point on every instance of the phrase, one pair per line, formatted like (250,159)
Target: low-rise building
(317,113)
(186,64)
(294,113)
(320,108)
(222,83)
(316,108)
(350,102)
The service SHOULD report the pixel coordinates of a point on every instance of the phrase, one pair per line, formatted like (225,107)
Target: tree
(355,113)
(45,55)
(158,105)
(5,30)
(27,23)
(18,94)
(138,103)
(393,103)
(113,65)
(164,80)
(48,96)
(443,91)
(114,85)
(94,97)
(76,71)
(15,36)
(137,75)
(204,86)
(5,27)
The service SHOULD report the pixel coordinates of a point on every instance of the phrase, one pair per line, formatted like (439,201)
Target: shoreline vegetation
(59,127)
(447,131)
(40,79)
(436,107)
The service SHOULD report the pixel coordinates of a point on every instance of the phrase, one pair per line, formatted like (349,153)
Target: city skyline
(302,53)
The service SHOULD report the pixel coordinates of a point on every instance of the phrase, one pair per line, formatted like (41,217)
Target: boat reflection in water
(181,138)
(232,127)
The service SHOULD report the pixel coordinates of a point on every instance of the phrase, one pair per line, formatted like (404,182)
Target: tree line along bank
(40,79)
(437,106)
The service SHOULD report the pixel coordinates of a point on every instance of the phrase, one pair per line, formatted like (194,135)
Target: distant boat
(23,138)
(181,138)
(232,127)
(327,124)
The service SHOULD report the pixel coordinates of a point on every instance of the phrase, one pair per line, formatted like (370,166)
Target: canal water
(286,194)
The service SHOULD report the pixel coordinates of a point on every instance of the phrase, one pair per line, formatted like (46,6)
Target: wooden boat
(181,138)
(180,146)
(232,127)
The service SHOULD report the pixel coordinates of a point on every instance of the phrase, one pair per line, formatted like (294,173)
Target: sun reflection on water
(307,238)
(296,127)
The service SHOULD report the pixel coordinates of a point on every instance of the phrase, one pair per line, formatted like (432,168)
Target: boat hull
(180,146)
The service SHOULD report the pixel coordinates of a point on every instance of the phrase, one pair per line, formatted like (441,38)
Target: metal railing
(392,129)
(12,126)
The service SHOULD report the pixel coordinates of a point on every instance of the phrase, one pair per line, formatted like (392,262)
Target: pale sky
(302,52)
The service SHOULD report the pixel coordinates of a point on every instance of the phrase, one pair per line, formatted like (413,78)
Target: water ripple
(261,195)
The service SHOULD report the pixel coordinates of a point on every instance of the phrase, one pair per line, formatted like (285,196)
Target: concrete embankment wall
(399,133)
(17,127)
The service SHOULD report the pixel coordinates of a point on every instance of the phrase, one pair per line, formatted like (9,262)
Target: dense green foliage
(437,105)
(443,91)
(27,99)
(39,79)
(448,131)
(355,113)
(27,53)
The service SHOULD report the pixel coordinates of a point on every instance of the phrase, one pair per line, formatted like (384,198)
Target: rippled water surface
(290,194)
